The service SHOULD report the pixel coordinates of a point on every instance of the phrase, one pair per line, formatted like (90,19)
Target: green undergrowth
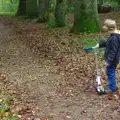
(8,7)
(89,40)
(7,13)
(6,112)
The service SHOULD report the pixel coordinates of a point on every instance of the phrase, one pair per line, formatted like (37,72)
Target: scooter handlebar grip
(87,49)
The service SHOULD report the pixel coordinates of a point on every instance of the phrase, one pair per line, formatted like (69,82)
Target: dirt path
(36,84)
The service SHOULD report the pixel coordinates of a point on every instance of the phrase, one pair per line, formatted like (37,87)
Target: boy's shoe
(108,91)
(112,95)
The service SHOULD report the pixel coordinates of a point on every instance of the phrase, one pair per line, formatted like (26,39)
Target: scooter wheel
(100,90)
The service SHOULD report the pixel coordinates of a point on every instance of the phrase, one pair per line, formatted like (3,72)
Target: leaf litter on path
(47,73)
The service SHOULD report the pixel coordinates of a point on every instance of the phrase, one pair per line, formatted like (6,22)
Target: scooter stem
(96,62)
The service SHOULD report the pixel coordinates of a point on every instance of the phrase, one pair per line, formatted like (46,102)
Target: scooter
(98,83)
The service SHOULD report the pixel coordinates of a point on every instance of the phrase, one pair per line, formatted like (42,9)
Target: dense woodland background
(54,11)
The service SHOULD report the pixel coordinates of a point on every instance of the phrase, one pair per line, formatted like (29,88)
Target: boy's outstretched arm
(102,43)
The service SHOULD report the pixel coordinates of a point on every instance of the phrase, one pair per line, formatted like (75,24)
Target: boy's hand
(107,64)
(97,46)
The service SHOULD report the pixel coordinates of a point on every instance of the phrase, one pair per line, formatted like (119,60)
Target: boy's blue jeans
(111,73)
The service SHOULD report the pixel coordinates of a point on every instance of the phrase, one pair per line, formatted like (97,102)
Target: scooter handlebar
(88,49)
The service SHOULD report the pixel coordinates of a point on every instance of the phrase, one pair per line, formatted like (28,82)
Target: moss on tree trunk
(60,13)
(86,17)
(43,10)
(32,8)
(21,8)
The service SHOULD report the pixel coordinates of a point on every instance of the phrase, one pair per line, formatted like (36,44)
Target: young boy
(112,53)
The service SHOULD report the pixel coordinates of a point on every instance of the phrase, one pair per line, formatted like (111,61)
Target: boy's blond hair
(109,25)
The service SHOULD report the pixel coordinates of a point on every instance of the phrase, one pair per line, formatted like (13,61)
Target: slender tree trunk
(11,1)
(21,7)
(101,2)
(60,13)
(118,2)
(86,17)
(32,8)
(50,3)
(43,6)
(1,2)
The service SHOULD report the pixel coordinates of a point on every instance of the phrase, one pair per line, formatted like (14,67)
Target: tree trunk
(11,1)
(86,17)
(43,10)
(21,7)
(32,8)
(1,2)
(101,2)
(60,13)
(118,2)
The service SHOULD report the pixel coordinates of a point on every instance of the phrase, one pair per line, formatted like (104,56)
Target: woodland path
(37,86)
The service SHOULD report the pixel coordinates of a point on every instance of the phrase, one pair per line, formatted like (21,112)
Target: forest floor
(48,75)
